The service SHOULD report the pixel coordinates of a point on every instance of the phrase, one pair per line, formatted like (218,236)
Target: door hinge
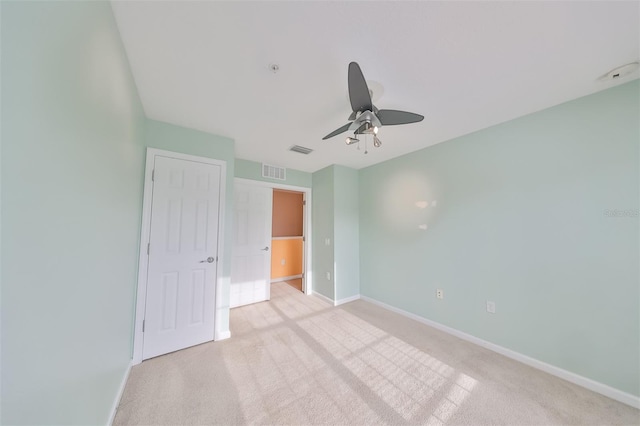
(153,175)
(143,326)
(303,239)
(303,275)
(148,248)
(304,202)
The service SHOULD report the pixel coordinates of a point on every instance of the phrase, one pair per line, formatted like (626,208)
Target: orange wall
(291,251)
(287,213)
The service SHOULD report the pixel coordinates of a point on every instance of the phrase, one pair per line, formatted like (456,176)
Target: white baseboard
(323,298)
(221,335)
(601,388)
(116,401)
(337,302)
(346,300)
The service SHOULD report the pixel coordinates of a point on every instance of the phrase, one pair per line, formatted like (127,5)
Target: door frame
(145,234)
(307,281)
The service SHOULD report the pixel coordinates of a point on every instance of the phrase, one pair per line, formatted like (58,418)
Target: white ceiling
(463,65)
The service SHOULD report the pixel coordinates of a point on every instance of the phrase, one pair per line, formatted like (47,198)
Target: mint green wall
(520,219)
(346,232)
(188,141)
(322,224)
(335,216)
(252,170)
(72,158)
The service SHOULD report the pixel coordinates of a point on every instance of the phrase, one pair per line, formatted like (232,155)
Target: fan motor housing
(365,117)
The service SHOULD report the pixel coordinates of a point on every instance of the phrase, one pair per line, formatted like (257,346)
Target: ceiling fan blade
(338,131)
(358,90)
(390,117)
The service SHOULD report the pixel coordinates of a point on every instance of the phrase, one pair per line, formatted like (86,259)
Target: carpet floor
(296,360)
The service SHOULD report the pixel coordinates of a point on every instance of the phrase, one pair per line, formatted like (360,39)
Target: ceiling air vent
(301,149)
(273,172)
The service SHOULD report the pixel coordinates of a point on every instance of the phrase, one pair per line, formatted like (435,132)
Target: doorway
(296,230)
(287,254)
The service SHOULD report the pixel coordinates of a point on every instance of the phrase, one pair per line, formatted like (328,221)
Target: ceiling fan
(366,118)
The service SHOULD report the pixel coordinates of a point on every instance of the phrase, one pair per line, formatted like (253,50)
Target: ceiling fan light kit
(365,118)
(351,141)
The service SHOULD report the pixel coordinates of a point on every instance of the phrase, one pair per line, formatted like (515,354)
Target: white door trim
(145,233)
(307,282)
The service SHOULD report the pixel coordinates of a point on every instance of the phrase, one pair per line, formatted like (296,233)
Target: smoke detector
(274,68)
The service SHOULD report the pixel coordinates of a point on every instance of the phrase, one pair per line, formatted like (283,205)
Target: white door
(181,283)
(251,260)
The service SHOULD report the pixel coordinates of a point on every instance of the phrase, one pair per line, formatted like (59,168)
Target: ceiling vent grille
(301,149)
(273,172)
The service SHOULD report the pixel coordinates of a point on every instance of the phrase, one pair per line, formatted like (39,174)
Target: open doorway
(253,258)
(287,244)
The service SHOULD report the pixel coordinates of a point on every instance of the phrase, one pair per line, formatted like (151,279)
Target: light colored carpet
(297,360)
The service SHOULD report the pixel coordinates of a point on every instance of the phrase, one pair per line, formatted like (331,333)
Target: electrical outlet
(327,241)
(491,307)
(328,276)
(282,262)
(440,293)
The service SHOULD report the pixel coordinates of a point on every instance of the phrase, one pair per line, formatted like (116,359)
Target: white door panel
(180,303)
(251,261)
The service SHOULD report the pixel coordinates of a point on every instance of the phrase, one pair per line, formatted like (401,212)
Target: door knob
(265,249)
(208,260)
